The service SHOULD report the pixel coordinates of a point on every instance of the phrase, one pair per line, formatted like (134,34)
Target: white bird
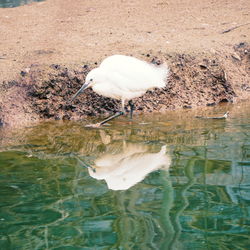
(124,78)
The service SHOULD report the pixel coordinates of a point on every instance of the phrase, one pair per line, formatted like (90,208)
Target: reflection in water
(197,200)
(123,170)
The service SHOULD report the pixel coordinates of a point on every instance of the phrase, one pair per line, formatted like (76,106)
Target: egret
(124,78)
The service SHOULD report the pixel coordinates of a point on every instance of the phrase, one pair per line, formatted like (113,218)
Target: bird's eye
(91,80)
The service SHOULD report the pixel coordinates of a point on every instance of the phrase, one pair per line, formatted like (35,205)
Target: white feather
(124,77)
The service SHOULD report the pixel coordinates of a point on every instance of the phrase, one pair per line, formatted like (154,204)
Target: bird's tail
(163,72)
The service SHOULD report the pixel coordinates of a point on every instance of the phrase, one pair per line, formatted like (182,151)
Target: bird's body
(124,78)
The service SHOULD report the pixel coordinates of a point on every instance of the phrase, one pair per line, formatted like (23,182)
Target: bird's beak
(84,86)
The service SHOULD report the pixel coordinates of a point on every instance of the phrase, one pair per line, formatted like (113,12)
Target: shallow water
(15,3)
(160,182)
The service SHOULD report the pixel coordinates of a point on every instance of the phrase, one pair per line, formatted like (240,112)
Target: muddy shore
(48,48)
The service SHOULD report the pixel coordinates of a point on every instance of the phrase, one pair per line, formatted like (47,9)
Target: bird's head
(89,82)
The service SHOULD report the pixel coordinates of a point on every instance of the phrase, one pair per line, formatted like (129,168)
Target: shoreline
(42,93)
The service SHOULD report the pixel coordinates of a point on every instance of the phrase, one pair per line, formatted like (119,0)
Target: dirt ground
(47,48)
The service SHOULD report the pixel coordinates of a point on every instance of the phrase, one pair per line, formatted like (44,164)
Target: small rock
(55,66)
(23,73)
(66,117)
(211,104)
(1,123)
(187,106)
(202,66)
(236,56)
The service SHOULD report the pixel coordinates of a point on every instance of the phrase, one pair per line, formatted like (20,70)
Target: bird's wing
(135,74)
(133,81)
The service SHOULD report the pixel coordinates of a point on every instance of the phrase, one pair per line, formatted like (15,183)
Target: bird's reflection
(124,169)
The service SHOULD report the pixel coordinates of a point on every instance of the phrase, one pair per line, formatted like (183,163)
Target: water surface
(160,182)
(15,3)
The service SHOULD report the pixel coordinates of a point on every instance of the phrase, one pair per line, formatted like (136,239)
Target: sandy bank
(44,46)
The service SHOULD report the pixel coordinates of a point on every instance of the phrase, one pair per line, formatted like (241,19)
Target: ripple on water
(195,194)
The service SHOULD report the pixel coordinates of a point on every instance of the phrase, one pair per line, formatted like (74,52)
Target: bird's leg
(123,106)
(111,117)
(122,112)
(97,125)
(131,105)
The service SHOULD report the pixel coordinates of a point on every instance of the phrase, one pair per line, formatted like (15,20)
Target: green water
(160,182)
(15,3)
